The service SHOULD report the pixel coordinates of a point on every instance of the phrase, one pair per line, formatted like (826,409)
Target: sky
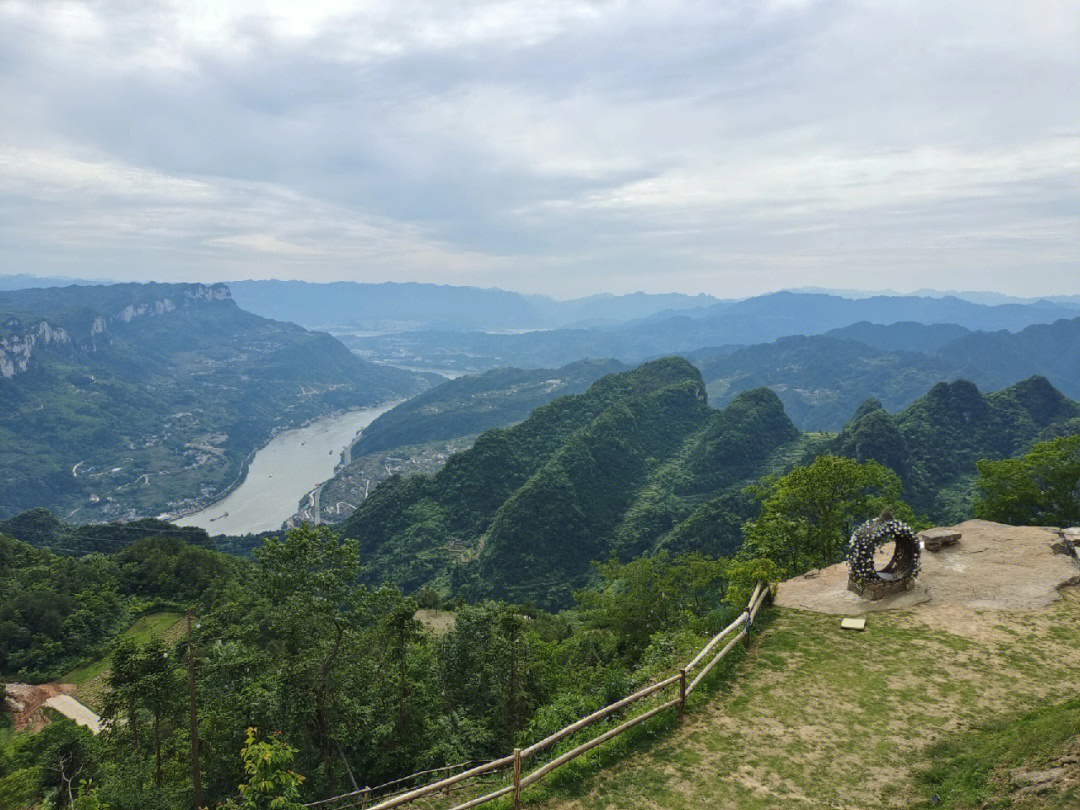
(556,146)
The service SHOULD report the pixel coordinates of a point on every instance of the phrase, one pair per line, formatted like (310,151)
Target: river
(281,473)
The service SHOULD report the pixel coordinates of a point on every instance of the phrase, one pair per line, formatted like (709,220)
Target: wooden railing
(687,682)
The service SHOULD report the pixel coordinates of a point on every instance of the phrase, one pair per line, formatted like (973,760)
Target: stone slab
(936,539)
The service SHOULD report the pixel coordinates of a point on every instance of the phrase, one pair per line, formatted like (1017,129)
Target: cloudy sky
(555,146)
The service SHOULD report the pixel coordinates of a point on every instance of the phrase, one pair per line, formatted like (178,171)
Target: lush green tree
(808,515)
(271,783)
(1041,487)
(634,600)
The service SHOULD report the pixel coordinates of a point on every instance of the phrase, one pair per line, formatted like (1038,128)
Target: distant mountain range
(822,379)
(754,320)
(390,307)
(134,399)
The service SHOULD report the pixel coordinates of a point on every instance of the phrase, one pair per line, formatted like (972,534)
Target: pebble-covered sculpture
(899,574)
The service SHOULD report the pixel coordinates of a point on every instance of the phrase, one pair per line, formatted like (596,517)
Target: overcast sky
(562,147)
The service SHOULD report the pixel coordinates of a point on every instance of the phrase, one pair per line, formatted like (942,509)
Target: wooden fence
(686,680)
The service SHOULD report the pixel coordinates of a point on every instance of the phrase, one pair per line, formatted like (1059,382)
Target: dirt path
(26,700)
(71,708)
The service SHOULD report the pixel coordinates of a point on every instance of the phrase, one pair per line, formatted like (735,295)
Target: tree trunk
(320,701)
(157,746)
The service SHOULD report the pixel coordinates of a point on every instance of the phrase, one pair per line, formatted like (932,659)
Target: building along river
(282,472)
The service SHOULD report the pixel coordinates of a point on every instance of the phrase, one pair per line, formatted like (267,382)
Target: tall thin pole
(517,779)
(196,776)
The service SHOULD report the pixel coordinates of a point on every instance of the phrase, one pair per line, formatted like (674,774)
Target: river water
(282,472)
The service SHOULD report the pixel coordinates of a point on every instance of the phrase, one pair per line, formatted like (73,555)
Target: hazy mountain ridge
(752,321)
(394,306)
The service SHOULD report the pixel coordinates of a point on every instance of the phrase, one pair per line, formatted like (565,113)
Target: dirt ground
(992,567)
(25,701)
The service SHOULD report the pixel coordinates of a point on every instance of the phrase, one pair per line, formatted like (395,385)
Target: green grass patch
(972,769)
(146,628)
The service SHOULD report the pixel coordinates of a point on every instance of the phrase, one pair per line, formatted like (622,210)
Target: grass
(145,628)
(972,769)
(816,717)
(89,679)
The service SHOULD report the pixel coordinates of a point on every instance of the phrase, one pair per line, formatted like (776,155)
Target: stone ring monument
(899,575)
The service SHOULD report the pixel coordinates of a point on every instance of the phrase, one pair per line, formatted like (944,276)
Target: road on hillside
(71,708)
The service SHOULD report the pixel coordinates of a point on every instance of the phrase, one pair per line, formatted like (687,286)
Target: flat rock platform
(992,567)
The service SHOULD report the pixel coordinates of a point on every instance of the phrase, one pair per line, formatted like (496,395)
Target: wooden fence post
(517,779)
(682,692)
(364,797)
(446,790)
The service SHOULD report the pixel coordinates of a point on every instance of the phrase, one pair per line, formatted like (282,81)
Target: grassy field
(889,718)
(90,678)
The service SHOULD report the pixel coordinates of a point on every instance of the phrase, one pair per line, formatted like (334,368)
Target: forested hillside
(526,509)
(934,443)
(133,399)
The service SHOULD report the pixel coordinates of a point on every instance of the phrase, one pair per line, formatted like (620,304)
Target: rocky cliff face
(16,350)
(23,336)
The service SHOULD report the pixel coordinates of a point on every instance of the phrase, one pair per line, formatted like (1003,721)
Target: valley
(128,401)
(456,567)
(293,463)
(576,405)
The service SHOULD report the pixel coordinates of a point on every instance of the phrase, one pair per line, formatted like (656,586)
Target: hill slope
(934,443)
(131,399)
(816,716)
(614,470)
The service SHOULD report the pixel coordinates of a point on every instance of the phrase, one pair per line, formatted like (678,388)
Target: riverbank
(290,465)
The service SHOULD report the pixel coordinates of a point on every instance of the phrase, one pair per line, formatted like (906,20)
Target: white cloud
(565,145)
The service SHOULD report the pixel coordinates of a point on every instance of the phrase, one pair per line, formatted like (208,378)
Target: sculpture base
(879,588)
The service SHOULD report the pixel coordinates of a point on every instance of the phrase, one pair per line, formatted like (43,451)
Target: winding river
(281,473)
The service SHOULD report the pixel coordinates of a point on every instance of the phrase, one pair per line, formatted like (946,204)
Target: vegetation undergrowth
(973,769)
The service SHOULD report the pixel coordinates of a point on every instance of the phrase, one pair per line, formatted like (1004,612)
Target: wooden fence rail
(519,781)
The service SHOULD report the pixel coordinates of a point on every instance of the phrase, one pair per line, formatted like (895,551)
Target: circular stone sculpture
(899,575)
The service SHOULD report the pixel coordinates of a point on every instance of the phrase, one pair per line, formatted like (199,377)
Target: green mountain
(129,400)
(473,404)
(524,512)
(933,444)
(418,435)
